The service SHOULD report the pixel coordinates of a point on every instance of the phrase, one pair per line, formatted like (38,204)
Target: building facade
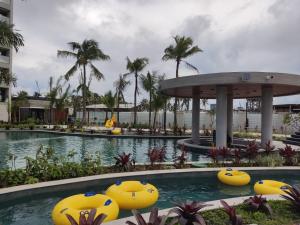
(6,7)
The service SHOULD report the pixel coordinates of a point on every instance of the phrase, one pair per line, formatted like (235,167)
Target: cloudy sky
(241,35)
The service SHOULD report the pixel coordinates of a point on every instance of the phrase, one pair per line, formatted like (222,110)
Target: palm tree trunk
(118,105)
(135,95)
(165,117)
(176,100)
(154,119)
(84,97)
(150,108)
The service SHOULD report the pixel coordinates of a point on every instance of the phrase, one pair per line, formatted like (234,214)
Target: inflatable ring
(76,204)
(133,194)
(234,177)
(116,131)
(269,187)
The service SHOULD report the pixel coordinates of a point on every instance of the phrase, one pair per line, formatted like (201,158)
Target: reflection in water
(24,144)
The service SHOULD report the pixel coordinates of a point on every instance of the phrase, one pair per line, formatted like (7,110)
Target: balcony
(4,59)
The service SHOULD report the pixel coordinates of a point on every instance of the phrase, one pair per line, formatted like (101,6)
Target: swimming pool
(26,143)
(198,186)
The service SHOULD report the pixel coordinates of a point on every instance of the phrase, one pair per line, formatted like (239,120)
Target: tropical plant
(10,37)
(109,101)
(87,218)
(224,153)
(156,155)
(148,83)
(213,153)
(154,218)
(85,54)
(257,202)
(135,67)
(269,148)
(124,161)
(288,154)
(182,49)
(231,212)
(292,194)
(182,158)
(188,213)
(251,150)
(120,86)
(20,100)
(237,156)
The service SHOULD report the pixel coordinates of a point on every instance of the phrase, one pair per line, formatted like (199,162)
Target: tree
(182,49)
(158,103)
(148,82)
(120,86)
(85,54)
(109,101)
(10,37)
(135,67)
(21,100)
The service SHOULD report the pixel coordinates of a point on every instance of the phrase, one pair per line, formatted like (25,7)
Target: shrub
(188,213)
(231,212)
(180,160)
(224,153)
(258,202)
(269,148)
(213,154)
(288,154)
(156,155)
(87,218)
(251,150)
(124,162)
(237,156)
(293,195)
(154,218)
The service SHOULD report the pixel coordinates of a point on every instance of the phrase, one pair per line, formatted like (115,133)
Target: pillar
(196,119)
(229,116)
(266,114)
(221,117)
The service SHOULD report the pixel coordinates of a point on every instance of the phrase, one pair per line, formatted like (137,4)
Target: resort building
(5,62)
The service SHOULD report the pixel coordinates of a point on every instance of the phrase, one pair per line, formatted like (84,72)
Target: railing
(4,59)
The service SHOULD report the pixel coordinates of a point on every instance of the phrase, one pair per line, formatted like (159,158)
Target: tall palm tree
(84,54)
(120,86)
(10,37)
(135,67)
(109,101)
(182,49)
(148,82)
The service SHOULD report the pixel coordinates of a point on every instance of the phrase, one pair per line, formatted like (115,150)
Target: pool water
(22,143)
(193,186)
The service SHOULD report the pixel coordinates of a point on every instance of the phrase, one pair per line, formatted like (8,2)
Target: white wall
(3,111)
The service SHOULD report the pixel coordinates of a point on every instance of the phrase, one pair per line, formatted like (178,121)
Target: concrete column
(196,120)
(266,114)
(229,115)
(221,117)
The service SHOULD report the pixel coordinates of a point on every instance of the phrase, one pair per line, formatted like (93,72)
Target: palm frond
(10,37)
(71,72)
(96,73)
(188,65)
(65,54)
(74,45)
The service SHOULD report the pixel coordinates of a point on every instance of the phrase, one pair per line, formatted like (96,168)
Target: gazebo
(224,87)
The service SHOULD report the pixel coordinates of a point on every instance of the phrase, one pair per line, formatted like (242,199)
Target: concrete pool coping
(11,193)
(85,134)
(212,205)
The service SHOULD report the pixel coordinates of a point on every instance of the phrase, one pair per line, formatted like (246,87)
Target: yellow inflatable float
(133,194)
(110,123)
(116,131)
(75,204)
(234,177)
(269,187)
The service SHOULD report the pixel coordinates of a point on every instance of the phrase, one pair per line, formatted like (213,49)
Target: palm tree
(85,54)
(135,67)
(109,101)
(148,82)
(10,37)
(182,49)
(120,86)
(158,103)
(20,101)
